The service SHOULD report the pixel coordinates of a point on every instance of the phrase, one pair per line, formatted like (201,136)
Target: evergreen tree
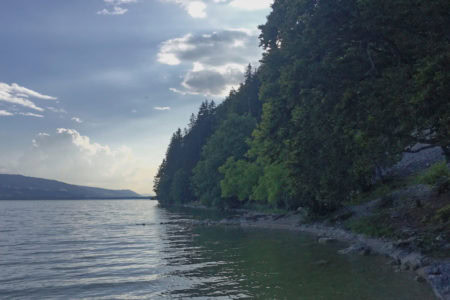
(229,140)
(344,88)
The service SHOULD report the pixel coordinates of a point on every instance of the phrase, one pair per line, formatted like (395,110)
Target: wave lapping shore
(433,271)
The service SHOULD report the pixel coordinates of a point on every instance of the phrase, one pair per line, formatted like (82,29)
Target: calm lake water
(96,250)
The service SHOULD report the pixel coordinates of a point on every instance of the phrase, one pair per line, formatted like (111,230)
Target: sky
(92,90)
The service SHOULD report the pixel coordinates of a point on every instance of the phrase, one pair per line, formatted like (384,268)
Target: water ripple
(136,250)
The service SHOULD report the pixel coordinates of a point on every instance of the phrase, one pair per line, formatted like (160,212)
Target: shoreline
(433,271)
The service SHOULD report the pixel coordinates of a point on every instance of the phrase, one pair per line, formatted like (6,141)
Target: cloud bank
(4,113)
(71,157)
(217,60)
(197,9)
(19,95)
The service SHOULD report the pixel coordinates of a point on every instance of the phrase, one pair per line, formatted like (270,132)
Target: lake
(99,249)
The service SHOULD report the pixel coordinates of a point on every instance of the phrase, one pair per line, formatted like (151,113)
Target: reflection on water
(101,250)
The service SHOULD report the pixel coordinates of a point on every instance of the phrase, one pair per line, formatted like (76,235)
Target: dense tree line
(344,87)
(189,171)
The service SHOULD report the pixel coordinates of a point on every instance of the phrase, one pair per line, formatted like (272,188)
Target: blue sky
(92,90)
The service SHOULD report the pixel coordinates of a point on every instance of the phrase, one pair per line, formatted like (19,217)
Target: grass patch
(374,226)
(433,174)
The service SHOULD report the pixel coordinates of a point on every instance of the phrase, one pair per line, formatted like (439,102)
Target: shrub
(434,173)
(443,214)
(376,226)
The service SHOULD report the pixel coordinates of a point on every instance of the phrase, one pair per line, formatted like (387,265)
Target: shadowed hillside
(18,187)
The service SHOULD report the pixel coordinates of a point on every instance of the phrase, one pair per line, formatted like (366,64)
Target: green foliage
(273,186)
(434,173)
(240,178)
(170,165)
(380,190)
(249,181)
(180,186)
(375,226)
(443,214)
(347,86)
(344,88)
(189,171)
(228,140)
(172,182)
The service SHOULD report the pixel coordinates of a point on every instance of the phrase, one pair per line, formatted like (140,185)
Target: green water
(274,264)
(102,250)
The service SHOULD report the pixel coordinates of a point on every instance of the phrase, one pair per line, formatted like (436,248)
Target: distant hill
(18,187)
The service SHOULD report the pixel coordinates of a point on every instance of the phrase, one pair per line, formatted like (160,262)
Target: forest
(344,87)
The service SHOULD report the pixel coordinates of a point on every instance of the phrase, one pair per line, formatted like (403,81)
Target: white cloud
(215,49)
(212,81)
(115,7)
(19,95)
(56,110)
(77,120)
(251,4)
(170,50)
(161,108)
(28,114)
(115,10)
(4,113)
(69,156)
(195,8)
(218,60)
